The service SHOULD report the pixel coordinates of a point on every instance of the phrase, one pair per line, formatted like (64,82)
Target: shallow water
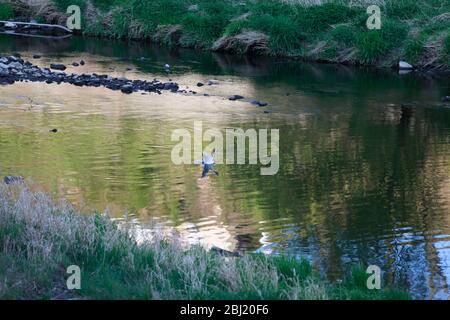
(361,178)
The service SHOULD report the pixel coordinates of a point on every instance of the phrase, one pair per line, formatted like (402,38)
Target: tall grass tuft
(447,43)
(373,44)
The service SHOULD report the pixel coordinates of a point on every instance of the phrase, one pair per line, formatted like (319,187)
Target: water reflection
(364,155)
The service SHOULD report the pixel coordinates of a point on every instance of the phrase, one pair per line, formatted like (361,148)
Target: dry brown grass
(42,8)
(245,42)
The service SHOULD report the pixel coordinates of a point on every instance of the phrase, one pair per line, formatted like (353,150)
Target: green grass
(40,238)
(373,44)
(63,4)
(447,43)
(344,34)
(6,11)
(403,9)
(414,49)
(293,28)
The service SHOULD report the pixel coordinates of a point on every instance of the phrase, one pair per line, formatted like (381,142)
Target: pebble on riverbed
(128,88)
(235,97)
(58,66)
(258,103)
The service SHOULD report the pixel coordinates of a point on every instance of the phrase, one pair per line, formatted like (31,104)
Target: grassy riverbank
(39,239)
(334,31)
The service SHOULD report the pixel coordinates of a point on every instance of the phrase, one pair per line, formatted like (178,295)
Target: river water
(364,172)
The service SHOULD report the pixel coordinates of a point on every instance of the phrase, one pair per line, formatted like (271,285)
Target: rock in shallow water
(173,87)
(258,103)
(235,97)
(223,252)
(128,88)
(13,179)
(403,65)
(58,66)
(15,65)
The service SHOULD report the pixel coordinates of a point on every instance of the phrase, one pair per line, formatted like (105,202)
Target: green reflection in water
(364,155)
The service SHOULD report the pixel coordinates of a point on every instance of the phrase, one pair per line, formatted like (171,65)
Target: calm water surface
(361,178)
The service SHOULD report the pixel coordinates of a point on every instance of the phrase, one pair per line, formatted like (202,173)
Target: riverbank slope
(40,238)
(328,31)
